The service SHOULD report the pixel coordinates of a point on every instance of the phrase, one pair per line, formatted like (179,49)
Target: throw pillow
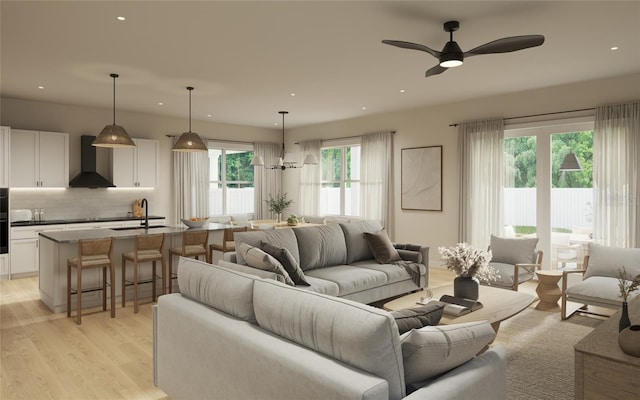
(513,251)
(433,350)
(288,262)
(418,317)
(257,258)
(381,247)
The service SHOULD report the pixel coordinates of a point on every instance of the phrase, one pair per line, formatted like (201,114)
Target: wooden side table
(548,289)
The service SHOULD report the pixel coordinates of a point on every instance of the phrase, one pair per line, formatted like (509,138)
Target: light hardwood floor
(47,356)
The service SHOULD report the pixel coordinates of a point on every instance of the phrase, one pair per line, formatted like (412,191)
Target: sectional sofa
(337,259)
(230,335)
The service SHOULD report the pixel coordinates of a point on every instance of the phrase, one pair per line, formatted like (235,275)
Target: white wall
(430,126)
(77,121)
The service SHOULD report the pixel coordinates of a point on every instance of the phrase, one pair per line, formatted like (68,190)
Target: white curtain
(376,177)
(310,180)
(616,180)
(481,155)
(265,180)
(191,184)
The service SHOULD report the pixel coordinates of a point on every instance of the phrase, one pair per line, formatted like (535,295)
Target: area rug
(540,353)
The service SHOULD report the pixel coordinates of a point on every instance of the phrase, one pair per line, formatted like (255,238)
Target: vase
(466,287)
(279,218)
(624,317)
(629,340)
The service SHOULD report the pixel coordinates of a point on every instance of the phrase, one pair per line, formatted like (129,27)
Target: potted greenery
(278,204)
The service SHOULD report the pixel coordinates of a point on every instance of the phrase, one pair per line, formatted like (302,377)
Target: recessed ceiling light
(275,123)
(402,90)
(40,87)
(209,115)
(364,108)
(615,48)
(160,103)
(121,18)
(293,94)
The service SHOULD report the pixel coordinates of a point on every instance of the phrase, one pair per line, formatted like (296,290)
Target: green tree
(239,166)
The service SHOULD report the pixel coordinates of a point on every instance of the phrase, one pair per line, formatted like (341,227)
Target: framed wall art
(421,183)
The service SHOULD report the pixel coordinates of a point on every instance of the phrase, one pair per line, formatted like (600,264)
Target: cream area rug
(540,353)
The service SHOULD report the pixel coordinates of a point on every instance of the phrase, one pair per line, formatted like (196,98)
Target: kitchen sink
(131,228)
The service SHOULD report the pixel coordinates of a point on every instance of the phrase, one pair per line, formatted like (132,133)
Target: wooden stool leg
(164,275)
(113,290)
(104,288)
(135,286)
(78,294)
(170,275)
(153,281)
(124,273)
(68,289)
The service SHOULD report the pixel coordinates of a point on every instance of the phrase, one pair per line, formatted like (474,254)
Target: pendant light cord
(189,88)
(114,76)
(283,113)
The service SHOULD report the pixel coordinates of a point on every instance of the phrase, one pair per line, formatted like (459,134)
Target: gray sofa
(336,260)
(230,335)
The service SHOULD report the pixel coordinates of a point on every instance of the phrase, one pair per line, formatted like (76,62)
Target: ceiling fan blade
(412,46)
(435,71)
(506,45)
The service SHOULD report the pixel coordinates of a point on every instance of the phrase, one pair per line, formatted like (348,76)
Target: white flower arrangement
(468,261)
(627,284)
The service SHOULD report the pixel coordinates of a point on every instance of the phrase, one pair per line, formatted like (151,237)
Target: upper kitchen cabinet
(5,131)
(137,166)
(39,159)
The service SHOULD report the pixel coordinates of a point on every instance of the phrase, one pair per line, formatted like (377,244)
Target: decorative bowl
(195,224)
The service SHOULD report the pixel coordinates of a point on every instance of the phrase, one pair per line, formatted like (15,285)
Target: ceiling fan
(452,56)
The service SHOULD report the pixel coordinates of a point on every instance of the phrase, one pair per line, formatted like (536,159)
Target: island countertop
(124,233)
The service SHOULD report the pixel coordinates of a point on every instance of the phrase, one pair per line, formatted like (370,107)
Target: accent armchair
(515,259)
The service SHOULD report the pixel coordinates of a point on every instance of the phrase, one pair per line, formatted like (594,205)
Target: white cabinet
(5,133)
(39,159)
(24,249)
(4,266)
(137,166)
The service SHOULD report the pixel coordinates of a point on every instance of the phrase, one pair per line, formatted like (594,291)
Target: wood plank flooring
(47,356)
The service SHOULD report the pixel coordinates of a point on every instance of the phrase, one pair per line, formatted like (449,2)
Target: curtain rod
(354,136)
(215,140)
(541,115)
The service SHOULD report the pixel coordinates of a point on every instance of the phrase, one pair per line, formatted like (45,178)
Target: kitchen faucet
(145,204)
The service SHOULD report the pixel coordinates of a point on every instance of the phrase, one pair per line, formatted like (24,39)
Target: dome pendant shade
(189,141)
(113,135)
(571,163)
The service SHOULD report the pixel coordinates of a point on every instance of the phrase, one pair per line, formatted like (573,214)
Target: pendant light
(189,141)
(570,163)
(282,162)
(113,135)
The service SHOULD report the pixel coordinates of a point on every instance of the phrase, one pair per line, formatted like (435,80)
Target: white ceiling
(246,58)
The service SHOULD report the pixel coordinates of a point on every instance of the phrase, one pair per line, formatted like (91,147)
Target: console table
(602,369)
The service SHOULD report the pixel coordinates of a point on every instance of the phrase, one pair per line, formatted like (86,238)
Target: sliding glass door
(547,193)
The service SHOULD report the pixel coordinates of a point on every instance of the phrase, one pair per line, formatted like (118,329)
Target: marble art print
(422,178)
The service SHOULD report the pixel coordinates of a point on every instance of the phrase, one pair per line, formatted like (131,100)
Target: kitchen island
(58,246)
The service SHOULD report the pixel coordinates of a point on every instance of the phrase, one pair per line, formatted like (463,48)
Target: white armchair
(516,261)
(562,252)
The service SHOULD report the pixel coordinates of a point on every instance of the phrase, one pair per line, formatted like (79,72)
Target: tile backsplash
(81,203)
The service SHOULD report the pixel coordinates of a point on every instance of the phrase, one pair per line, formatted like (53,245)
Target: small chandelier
(113,135)
(283,163)
(189,141)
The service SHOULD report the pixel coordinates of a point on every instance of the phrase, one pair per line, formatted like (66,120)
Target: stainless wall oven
(4,220)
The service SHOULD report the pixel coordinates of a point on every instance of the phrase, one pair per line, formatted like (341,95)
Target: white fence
(569,207)
(239,201)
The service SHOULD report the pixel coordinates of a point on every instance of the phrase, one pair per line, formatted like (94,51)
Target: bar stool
(91,254)
(148,248)
(228,243)
(194,244)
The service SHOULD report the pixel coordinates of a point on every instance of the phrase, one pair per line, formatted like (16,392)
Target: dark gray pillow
(288,262)
(381,247)
(416,318)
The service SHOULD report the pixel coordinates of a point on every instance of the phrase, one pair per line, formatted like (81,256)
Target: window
(540,199)
(340,192)
(230,179)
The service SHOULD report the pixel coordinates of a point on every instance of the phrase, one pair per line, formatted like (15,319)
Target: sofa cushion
(605,261)
(598,289)
(395,273)
(278,237)
(322,246)
(433,350)
(418,317)
(356,334)
(257,258)
(381,247)
(513,251)
(322,286)
(350,279)
(288,262)
(228,291)
(357,246)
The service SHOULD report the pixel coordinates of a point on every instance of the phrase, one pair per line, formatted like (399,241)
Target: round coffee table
(548,289)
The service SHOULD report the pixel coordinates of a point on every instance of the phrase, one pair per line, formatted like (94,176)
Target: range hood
(88,177)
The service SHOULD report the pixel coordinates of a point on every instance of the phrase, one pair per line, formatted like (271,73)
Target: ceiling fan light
(451,55)
(450,63)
